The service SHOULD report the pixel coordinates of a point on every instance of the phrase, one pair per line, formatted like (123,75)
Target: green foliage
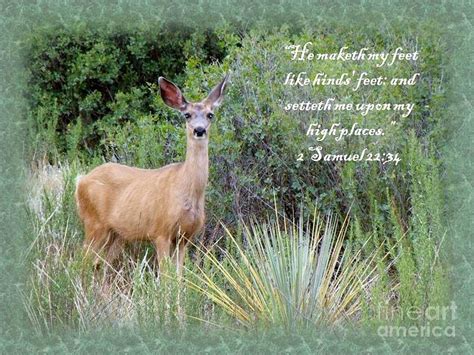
(100,77)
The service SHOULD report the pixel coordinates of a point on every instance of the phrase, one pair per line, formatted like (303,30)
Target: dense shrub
(82,77)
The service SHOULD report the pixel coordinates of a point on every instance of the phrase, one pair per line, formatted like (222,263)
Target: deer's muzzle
(199,132)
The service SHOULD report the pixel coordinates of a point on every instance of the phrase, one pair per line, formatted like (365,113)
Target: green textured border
(21,17)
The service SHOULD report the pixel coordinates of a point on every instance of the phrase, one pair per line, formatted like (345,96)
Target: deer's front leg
(179,253)
(163,246)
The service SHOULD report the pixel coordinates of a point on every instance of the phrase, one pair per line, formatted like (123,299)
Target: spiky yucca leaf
(291,274)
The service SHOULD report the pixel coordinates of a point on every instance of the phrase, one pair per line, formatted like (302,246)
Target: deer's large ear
(171,94)
(217,94)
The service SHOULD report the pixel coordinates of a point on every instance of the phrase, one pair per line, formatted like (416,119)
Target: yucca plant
(292,273)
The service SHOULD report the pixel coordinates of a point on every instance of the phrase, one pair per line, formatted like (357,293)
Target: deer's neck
(196,168)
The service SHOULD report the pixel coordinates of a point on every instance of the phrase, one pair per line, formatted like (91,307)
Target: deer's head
(198,115)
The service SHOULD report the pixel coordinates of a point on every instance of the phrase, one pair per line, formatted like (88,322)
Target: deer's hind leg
(115,248)
(97,237)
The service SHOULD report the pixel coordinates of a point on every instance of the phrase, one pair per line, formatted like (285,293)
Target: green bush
(103,76)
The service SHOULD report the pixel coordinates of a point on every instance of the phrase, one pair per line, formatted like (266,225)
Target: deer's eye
(210,115)
(187,116)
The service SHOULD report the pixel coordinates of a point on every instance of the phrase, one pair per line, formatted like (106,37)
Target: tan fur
(119,204)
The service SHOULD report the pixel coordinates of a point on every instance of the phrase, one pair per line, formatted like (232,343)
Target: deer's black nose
(199,131)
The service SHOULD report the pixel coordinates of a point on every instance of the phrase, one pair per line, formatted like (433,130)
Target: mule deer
(118,203)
